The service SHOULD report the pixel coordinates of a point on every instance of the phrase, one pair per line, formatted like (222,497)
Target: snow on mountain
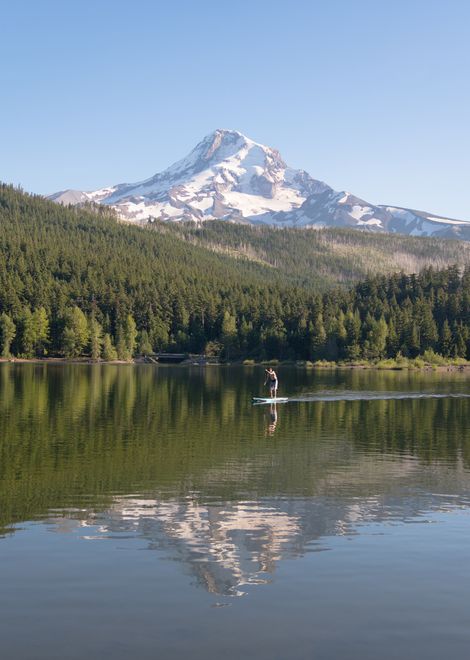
(229,176)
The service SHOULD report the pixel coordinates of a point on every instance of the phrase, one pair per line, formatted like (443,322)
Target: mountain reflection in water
(228,489)
(229,545)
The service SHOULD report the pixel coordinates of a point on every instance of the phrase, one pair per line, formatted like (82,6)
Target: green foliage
(229,334)
(430,357)
(28,334)
(319,258)
(40,329)
(130,334)
(95,333)
(7,334)
(145,347)
(109,351)
(75,334)
(213,349)
(76,282)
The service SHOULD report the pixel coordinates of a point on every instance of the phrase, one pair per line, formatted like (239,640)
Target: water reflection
(227,546)
(208,487)
(272,423)
(224,547)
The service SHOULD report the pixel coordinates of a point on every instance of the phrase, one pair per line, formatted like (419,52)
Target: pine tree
(411,345)
(317,334)
(427,326)
(340,333)
(275,339)
(121,347)
(95,333)
(376,338)
(7,333)
(445,340)
(352,324)
(392,339)
(126,339)
(40,323)
(228,333)
(109,351)
(28,334)
(75,334)
(145,347)
(130,335)
(459,336)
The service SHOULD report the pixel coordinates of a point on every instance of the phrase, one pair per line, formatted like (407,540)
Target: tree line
(75,282)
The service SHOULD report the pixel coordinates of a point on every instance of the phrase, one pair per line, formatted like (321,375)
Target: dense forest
(322,258)
(76,282)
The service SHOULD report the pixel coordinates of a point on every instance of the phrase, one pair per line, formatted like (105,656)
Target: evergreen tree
(340,333)
(75,334)
(244,332)
(145,347)
(275,339)
(109,351)
(352,324)
(28,333)
(426,324)
(445,341)
(376,341)
(459,336)
(392,339)
(317,334)
(130,335)
(229,333)
(7,333)
(126,340)
(121,347)
(95,338)
(40,330)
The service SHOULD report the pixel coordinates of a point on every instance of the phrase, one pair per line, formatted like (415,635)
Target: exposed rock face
(228,176)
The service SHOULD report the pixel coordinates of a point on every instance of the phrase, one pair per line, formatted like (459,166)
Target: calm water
(155,513)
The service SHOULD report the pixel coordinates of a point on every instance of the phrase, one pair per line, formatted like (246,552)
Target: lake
(154,512)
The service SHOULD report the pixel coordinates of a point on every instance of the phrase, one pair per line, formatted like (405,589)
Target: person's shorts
(273,385)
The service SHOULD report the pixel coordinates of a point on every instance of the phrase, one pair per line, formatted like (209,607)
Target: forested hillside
(322,258)
(76,282)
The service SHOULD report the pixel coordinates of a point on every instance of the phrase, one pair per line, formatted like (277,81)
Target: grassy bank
(429,360)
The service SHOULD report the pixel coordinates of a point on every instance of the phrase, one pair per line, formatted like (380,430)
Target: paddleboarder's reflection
(272,419)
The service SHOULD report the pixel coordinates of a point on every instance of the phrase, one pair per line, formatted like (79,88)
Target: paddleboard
(261,399)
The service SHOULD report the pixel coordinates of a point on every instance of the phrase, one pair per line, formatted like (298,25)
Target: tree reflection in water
(186,442)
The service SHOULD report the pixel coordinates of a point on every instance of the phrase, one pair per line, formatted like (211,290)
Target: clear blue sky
(369,96)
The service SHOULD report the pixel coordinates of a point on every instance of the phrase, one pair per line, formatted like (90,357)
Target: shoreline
(450,367)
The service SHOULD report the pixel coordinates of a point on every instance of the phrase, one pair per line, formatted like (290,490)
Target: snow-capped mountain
(229,176)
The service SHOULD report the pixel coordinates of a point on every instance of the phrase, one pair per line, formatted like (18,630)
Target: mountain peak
(230,176)
(228,133)
(221,144)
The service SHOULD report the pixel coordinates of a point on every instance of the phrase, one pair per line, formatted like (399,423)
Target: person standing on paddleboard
(271,378)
